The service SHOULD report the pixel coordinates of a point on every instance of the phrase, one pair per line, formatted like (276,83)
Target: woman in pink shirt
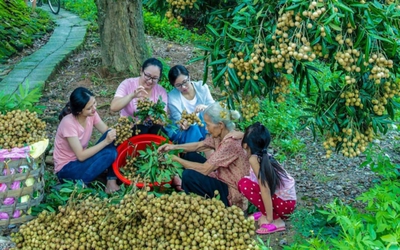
(269,187)
(144,86)
(72,159)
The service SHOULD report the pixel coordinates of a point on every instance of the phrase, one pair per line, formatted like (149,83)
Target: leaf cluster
(158,167)
(23,99)
(148,110)
(248,32)
(375,227)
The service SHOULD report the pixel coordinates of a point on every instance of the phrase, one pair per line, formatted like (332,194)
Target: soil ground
(318,180)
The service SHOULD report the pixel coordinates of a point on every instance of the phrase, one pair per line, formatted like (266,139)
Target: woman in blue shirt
(193,97)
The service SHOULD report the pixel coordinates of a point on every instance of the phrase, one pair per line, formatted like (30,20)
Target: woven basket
(21,170)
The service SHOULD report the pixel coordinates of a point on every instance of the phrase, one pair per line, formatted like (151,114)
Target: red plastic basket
(128,147)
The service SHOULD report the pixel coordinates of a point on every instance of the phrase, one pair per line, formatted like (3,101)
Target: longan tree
(258,48)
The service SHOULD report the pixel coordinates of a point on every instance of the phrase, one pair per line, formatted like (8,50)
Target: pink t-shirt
(131,84)
(70,127)
(286,192)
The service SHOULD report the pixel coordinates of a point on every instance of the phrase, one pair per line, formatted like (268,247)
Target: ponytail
(271,172)
(65,111)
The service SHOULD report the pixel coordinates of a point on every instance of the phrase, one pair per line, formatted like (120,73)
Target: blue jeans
(91,168)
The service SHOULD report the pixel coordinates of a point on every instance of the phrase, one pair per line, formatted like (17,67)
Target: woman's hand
(139,92)
(184,125)
(200,108)
(165,148)
(238,135)
(111,135)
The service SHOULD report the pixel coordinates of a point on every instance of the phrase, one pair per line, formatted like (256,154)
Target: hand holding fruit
(139,92)
(165,148)
(111,135)
(188,119)
(200,108)
(184,125)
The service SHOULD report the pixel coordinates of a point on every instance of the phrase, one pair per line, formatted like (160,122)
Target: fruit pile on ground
(140,221)
(20,128)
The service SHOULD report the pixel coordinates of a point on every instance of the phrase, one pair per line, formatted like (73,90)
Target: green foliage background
(19,27)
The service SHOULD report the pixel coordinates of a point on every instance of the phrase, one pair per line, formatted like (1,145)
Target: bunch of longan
(129,169)
(148,110)
(140,221)
(144,104)
(352,98)
(123,129)
(191,119)
(353,142)
(176,7)
(248,67)
(250,107)
(20,128)
(281,88)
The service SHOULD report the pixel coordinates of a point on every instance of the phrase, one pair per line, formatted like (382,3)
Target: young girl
(72,159)
(269,187)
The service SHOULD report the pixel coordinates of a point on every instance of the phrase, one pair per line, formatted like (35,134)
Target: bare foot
(177,183)
(279,222)
(262,220)
(112,186)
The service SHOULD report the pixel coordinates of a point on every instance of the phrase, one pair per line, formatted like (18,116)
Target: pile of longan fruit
(20,128)
(140,221)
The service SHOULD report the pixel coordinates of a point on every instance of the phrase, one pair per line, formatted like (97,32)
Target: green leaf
(199,58)
(220,61)
(66,190)
(50,209)
(234,38)
(235,80)
(367,48)
(343,7)
(381,38)
(220,74)
(390,238)
(212,30)
(335,27)
(360,37)
(371,231)
(330,18)
(293,7)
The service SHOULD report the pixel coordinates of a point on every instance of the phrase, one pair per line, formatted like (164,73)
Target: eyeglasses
(148,77)
(183,84)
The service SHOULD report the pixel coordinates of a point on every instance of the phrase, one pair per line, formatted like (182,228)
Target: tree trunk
(122,38)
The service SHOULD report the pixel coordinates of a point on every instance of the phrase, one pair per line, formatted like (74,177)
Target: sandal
(269,229)
(256,216)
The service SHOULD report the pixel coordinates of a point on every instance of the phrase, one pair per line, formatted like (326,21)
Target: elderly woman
(193,97)
(145,86)
(225,167)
